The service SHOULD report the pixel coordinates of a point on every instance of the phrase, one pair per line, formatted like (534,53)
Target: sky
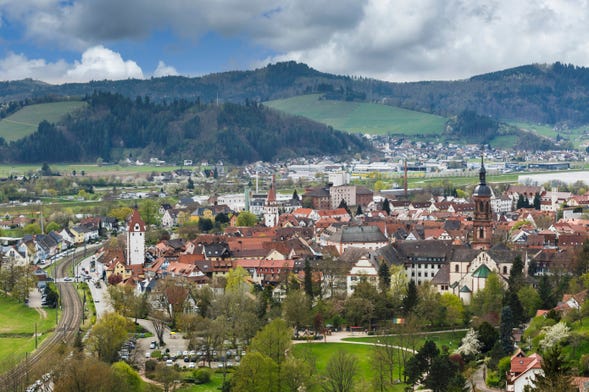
(60,41)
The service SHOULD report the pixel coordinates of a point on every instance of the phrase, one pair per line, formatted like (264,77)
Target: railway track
(18,378)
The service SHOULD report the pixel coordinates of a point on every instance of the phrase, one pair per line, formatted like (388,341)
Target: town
(495,271)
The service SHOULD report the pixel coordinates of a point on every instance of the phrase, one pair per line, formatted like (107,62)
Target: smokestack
(405,180)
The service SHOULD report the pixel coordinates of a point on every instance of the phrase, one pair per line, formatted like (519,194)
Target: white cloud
(97,63)
(389,39)
(101,63)
(17,66)
(164,70)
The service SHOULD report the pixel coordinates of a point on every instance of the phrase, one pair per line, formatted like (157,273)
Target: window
(504,270)
(456,268)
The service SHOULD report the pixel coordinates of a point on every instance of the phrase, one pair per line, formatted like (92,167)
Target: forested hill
(113,127)
(556,94)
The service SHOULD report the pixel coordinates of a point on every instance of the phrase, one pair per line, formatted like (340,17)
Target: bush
(150,365)
(156,354)
(584,364)
(201,376)
(493,379)
(504,366)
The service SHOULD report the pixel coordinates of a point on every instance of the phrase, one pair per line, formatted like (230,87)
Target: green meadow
(359,117)
(25,121)
(17,329)
(322,352)
(450,339)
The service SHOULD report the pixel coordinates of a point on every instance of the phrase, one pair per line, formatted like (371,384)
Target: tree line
(112,124)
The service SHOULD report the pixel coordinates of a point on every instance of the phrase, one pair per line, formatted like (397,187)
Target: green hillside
(25,121)
(579,136)
(358,117)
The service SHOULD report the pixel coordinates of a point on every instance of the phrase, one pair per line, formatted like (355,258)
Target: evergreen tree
(516,275)
(295,196)
(537,203)
(344,205)
(521,203)
(487,336)
(444,376)
(517,310)
(506,330)
(545,292)
(418,367)
(308,279)
(384,277)
(555,377)
(359,210)
(411,299)
(386,206)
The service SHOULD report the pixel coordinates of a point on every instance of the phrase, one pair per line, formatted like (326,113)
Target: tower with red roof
(135,239)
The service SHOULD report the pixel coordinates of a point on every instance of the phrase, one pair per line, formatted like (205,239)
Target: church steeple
(483,215)
(482,172)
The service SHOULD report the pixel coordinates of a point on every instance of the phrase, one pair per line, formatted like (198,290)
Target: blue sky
(398,40)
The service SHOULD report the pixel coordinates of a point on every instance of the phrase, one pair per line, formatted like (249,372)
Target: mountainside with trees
(555,94)
(113,127)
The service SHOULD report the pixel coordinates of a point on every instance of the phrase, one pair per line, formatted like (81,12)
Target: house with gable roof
(523,371)
(365,237)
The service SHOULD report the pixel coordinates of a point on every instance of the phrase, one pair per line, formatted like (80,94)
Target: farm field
(25,121)
(17,328)
(357,117)
(90,169)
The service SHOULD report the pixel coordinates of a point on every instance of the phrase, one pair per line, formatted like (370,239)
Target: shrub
(493,379)
(202,376)
(584,364)
(504,366)
(156,354)
(150,365)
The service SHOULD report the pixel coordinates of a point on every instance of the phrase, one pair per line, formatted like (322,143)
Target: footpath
(478,378)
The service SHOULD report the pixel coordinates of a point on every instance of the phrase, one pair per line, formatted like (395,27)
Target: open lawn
(359,117)
(323,352)
(25,121)
(450,339)
(213,386)
(17,318)
(17,329)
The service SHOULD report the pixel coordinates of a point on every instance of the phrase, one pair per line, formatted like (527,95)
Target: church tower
(271,208)
(135,239)
(483,216)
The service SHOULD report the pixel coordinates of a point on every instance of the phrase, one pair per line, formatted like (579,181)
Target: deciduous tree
(108,335)
(340,372)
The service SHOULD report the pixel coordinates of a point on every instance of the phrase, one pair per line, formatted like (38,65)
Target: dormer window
(136,227)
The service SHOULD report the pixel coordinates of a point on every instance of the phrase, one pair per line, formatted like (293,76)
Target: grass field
(25,121)
(323,352)
(357,117)
(451,339)
(213,386)
(17,328)
(90,169)
(576,135)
